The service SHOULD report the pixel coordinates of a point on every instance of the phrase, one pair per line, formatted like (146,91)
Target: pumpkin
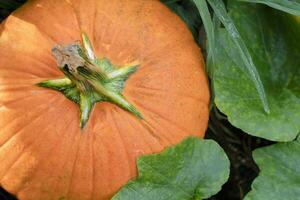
(152,92)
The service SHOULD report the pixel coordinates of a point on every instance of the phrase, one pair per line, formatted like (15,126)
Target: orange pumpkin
(44,153)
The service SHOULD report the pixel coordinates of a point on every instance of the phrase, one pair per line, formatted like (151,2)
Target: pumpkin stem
(88,79)
(85,109)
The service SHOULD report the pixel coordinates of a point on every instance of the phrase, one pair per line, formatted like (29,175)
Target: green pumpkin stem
(89,80)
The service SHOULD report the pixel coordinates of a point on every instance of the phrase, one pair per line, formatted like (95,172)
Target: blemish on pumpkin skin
(39,6)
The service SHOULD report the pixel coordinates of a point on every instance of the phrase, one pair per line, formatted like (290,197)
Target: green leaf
(273,41)
(247,61)
(279,176)
(289,6)
(210,33)
(192,170)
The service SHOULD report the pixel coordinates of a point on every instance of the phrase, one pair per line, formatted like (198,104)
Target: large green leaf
(192,170)
(241,49)
(210,33)
(279,176)
(289,6)
(273,41)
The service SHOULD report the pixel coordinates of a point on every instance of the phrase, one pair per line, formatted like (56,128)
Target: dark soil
(237,144)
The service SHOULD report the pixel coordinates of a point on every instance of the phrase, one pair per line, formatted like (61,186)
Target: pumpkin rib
(15,164)
(143,90)
(20,80)
(78,26)
(168,45)
(129,126)
(148,129)
(124,145)
(15,85)
(148,95)
(151,111)
(151,130)
(73,168)
(17,71)
(91,138)
(92,32)
(43,33)
(119,32)
(123,155)
(33,30)
(27,185)
(104,160)
(46,12)
(179,131)
(72,141)
(36,117)
(94,180)
(104,163)
(146,86)
(7,99)
(46,66)
(79,190)
(13,88)
(21,69)
(137,126)
(160,100)
(43,65)
(19,132)
(32,120)
(162,137)
(169,121)
(164,132)
(91,9)
(6,103)
(111,22)
(93,24)
(32,176)
(26,85)
(117,130)
(93,166)
(165,47)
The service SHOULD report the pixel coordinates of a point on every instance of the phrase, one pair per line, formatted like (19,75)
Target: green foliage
(192,170)
(274,47)
(242,50)
(289,6)
(210,33)
(280,172)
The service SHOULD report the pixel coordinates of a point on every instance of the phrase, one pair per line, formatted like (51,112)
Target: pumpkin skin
(44,154)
